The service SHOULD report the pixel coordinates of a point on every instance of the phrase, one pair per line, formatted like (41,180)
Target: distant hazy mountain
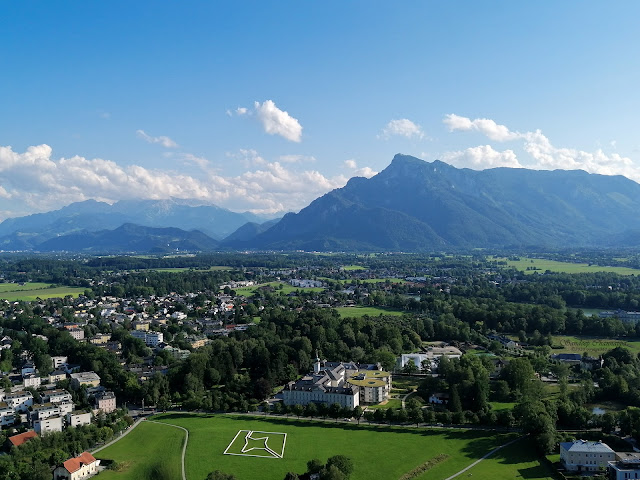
(130,238)
(92,216)
(248,231)
(414,205)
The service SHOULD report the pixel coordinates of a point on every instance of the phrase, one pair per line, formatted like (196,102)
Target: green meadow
(33,290)
(149,452)
(357,312)
(286,288)
(542,265)
(380,452)
(593,346)
(187,269)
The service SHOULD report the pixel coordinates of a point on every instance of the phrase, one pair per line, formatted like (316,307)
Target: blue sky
(264,106)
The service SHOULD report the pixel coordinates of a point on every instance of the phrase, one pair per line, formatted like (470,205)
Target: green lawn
(286,289)
(150,452)
(377,452)
(497,406)
(518,460)
(186,269)
(354,267)
(16,287)
(593,346)
(563,267)
(31,291)
(358,312)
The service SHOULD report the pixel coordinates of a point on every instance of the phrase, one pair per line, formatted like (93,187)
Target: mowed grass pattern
(377,452)
(593,346)
(149,452)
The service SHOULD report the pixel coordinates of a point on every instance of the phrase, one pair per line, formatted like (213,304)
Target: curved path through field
(482,458)
(119,437)
(184,446)
(136,423)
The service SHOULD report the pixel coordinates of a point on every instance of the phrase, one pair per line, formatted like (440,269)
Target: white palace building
(345,383)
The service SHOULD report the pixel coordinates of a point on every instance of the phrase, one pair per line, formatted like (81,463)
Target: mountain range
(29,232)
(414,205)
(411,205)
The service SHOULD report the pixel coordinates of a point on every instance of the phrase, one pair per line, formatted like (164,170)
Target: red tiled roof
(74,464)
(18,440)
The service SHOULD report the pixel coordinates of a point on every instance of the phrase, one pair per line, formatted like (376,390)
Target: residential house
(570,359)
(77,468)
(48,425)
(17,440)
(19,401)
(105,401)
(59,361)
(7,415)
(585,456)
(57,376)
(625,467)
(78,418)
(90,379)
(55,396)
(31,380)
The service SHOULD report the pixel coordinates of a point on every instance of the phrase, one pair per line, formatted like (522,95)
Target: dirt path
(482,458)
(184,446)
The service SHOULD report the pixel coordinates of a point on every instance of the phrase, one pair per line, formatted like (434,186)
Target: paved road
(184,446)
(482,458)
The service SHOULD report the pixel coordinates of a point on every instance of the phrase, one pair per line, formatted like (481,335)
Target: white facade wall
(48,425)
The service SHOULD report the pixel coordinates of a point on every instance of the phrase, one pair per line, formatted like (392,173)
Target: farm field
(149,452)
(593,346)
(404,448)
(353,267)
(357,312)
(32,290)
(542,265)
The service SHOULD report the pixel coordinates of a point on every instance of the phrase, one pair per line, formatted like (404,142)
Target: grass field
(32,290)
(593,346)
(358,312)
(286,289)
(354,267)
(563,267)
(383,280)
(497,406)
(518,460)
(377,452)
(149,452)
(186,269)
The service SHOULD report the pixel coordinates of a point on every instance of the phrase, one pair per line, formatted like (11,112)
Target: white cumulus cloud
(34,181)
(485,126)
(542,153)
(402,127)
(278,122)
(367,172)
(274,121)
(166,142)
(481,157)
